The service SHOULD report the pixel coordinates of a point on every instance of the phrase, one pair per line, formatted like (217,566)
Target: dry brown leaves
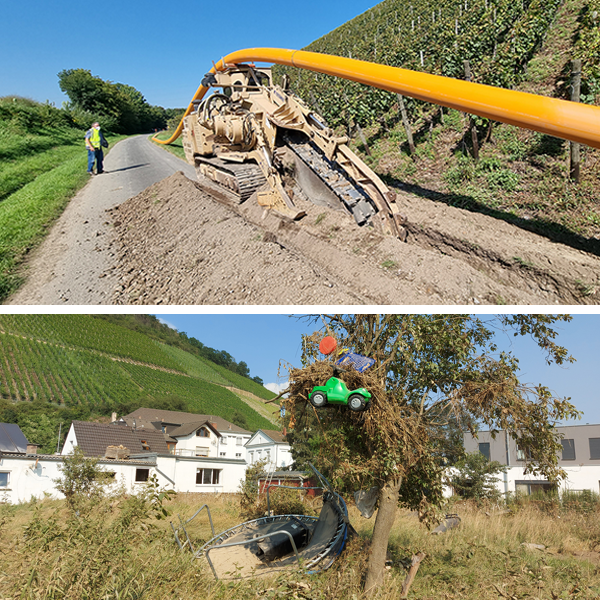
(387,424)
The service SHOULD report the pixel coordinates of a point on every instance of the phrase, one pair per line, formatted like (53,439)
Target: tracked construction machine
(251,136)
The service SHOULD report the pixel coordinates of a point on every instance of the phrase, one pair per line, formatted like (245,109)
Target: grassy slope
(43,163)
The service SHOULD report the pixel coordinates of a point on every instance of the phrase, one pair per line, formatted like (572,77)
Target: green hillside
(521,176)
(54,368)
(196,366)
(498,37)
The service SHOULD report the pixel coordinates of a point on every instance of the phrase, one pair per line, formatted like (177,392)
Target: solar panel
(12,438)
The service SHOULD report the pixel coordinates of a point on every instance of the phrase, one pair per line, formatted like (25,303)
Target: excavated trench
(510,272)
(182,242)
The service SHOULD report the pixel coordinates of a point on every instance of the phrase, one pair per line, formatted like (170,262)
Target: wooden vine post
(357,126)
(472,125)
(575,156)
(406,123)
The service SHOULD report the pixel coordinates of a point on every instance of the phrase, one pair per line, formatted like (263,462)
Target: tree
(426,367)
(82,478)
(115,103)
(474,477)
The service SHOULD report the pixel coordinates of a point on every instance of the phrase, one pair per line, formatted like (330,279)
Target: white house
(32,475)
(195,468)
(186,452)
(579,457)
(270,445)
(24,474)
(188,434)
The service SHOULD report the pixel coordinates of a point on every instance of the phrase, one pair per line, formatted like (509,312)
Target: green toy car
(335,391)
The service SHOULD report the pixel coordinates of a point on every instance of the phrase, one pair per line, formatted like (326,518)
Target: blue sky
(161,48)
(262,341)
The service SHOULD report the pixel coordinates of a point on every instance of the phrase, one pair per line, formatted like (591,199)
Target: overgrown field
(119,550)
(43,162)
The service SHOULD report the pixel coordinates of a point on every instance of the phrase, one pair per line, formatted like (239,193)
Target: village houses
(186,452)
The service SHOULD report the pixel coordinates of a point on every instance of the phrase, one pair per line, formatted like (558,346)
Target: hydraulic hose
(560,118)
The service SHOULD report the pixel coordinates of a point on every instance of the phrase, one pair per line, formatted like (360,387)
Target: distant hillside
(237,373)
(56,368)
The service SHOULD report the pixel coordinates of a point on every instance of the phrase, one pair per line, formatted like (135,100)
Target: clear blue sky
(263,340)
(161,48)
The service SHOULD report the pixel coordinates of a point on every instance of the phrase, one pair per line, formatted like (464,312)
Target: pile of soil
(182,242)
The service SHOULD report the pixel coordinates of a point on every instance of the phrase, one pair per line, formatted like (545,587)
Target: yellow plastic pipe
(560,118)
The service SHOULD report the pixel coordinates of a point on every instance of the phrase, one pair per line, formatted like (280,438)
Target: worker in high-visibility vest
(95,141)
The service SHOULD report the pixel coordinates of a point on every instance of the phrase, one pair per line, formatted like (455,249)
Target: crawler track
(241,179)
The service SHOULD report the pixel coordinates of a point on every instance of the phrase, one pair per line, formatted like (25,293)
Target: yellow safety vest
(95,138)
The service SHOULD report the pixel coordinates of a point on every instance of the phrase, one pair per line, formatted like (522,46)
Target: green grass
(175,148)
(18,173)
(26,215)
(34,191)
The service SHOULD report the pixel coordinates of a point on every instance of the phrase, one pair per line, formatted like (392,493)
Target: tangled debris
(382,426)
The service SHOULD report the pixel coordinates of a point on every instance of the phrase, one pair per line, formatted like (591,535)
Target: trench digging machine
(252,137)
(253,133)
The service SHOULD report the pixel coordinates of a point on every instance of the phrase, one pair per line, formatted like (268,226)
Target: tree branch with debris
(429,369)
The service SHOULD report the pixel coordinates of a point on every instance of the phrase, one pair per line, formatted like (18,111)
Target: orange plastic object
(327,345)
(560,118)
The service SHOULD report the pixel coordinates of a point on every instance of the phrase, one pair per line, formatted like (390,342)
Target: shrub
(82,478)
(282,501)
(474,477)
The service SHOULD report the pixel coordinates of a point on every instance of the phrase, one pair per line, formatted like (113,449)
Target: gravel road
(73,264)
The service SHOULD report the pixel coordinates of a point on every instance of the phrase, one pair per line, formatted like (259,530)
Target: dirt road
(179,242)
(73,264)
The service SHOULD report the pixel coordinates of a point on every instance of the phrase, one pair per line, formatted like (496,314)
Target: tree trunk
(388,503)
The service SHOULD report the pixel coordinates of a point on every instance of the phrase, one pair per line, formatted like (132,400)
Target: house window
(238,455)
(594,448)
(484,448)
(4,478)
(207,476)
(141,475)
(238,441)
(203,432)
(201,451)
(534,487)
(568,449)
(251,457)
(224,440)
(222,453)
(523,453)
(268,455)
